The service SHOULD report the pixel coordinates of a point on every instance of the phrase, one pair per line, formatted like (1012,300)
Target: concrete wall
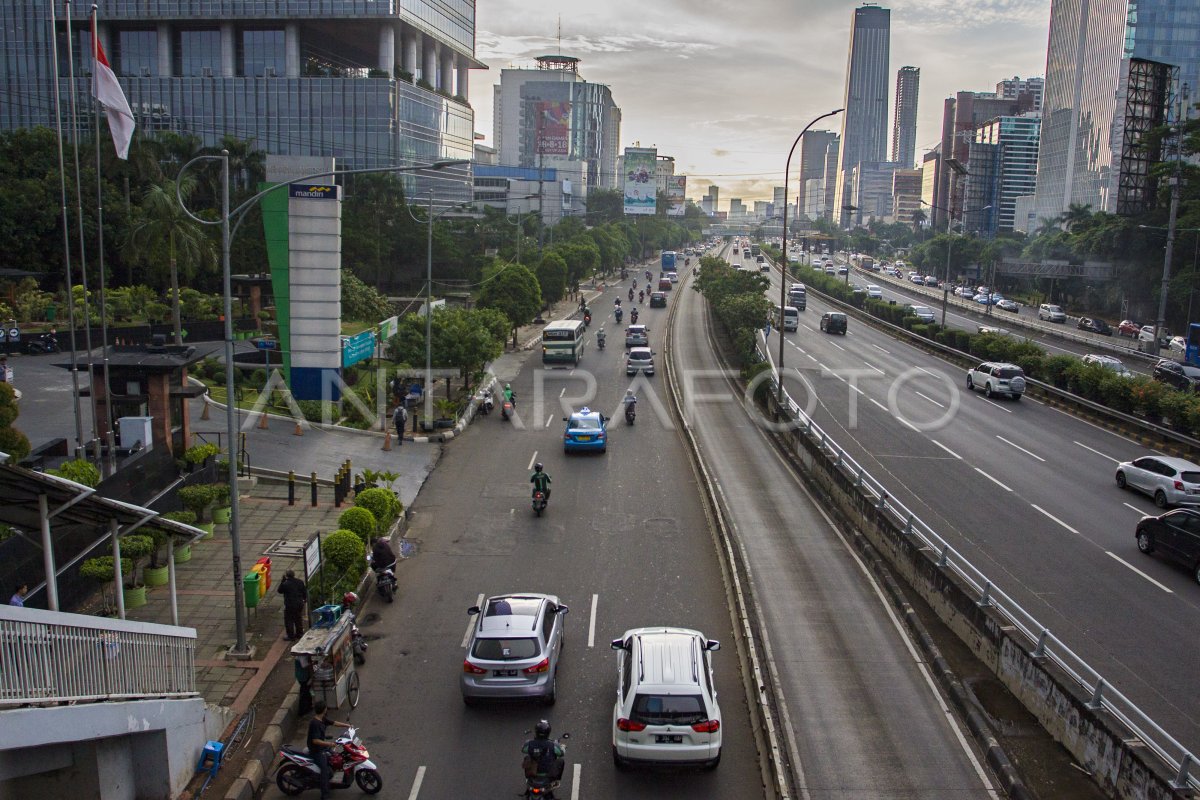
(138,750)
(1121,764)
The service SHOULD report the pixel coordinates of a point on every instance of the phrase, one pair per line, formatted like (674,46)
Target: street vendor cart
(334,677)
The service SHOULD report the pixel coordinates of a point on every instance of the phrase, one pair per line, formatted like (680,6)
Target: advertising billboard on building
(676,195)
(640,184)
(554,127)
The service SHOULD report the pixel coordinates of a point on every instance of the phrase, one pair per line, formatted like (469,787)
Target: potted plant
(197,455)
(198,499)
(101,570)
(446,409)
(183,553)
(221,507)
(136,547)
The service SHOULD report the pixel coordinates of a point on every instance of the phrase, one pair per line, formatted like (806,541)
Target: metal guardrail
(53,657)
(1104,695)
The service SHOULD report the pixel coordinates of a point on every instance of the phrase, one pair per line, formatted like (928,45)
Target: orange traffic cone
(299,431)
(262,421)
(387,439)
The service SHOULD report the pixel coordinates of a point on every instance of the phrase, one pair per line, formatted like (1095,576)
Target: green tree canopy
(552,277)
(512,290)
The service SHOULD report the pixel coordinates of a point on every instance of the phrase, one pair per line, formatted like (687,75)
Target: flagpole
(110,463)
(66,224)
(87,317)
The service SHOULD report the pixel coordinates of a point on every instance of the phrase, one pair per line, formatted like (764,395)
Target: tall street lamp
(230,220)
(1191,290)
(949,244)
(787,169)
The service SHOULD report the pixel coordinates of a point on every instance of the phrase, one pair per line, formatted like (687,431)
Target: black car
(658,299)
(1095,326)
(833,322)
(1177,374)
(1175,534)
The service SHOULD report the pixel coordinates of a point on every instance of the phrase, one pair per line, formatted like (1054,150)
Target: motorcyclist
(508,394)
(617,302)
(544,757)
(633,315)
(630,399)
(600,336)
(382,555)
(631,294)
(587,316)
(541,483)
(641,297)
(648,276)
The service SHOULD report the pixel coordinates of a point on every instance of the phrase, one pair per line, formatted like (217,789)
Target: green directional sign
(357,348)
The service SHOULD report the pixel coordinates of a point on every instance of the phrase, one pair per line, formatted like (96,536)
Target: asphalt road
(1026,492)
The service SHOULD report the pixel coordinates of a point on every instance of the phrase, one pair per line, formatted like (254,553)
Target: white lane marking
(880,349)
(877,369)
(575,782)
(993,480)
(947,449)
(1022,449)
(811,358)
(1134,508)
(927,372)
(882,407)
(564,391)
(471,621)
(416,789)
(592,622)
(838,346)
(1097,452)
(930,399)
(997,405)
(834,374)
(909,425)
(533,458)
(549,419)
(1048,515)
(860,391)
(1139,572)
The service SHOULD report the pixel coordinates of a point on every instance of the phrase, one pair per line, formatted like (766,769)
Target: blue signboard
(358,347)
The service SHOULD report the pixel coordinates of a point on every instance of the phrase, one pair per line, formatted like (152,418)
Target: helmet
(349,599)
(508,386)
(629,392)
(537,467)
(542,729)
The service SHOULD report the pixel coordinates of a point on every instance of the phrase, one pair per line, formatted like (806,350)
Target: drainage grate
(286,547)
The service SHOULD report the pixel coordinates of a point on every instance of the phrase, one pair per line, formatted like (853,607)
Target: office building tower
(777,201)
(904,124)
(864,122)
(814,147)
(1113,69)
(1032,88)
(338,82)
(736,208)
(930,164)
(961,115)
(869,190)
(1002,166)
(714,192)
(830,178)
(706,205)
(906,194)
(814,198)
(550,115)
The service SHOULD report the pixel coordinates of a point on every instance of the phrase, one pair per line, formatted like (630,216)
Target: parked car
(1178,374)
(923,313)
(514,648)
(1110,363)
(996,377)
(1170,481)
(1175,534)
(666,710)
(586,430)
(640,359)
(1095,326)
(1051,313)
(1177,344)
(1005,304)
(833,322)
(1146,334)
(1128,328)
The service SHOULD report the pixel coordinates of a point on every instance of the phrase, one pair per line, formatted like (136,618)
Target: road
(1026,492)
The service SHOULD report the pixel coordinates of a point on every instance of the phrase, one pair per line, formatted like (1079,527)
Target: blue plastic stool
(212,751)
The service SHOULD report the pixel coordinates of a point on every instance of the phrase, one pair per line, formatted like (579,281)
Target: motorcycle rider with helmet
(630,400)
(508,394)
(544,757)
(541,483)
(600,336)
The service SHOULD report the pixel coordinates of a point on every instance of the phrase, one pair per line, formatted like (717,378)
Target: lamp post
(228,230)
(1166,280)
(949,244)
(787,168)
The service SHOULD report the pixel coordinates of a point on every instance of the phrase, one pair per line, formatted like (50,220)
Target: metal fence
(51,657)
(1043,643)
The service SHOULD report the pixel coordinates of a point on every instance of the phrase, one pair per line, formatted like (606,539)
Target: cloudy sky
(725,88)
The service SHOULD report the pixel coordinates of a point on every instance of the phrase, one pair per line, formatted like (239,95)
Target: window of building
(198,53)
(261,52)
(82,53)
(136,53)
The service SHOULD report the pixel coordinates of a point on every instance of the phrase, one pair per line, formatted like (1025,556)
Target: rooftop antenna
(560,34)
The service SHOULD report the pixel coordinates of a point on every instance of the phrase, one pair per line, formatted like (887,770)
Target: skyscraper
(813,150)
(864,122)
(904,122)
(1112,66)
(1002,167)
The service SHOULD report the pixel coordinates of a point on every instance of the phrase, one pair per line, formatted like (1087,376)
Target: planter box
(221,515)
(135,597)
(155,576)
(183,554)
(207,527)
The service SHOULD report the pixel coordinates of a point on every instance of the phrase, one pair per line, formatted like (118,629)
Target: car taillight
(541,666)
(708,726)
(471,669)
(629,725)
(1179,485)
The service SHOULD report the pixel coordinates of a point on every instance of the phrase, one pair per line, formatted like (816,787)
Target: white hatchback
(666,710)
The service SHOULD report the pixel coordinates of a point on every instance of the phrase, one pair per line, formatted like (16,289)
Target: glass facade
(135,53)
(261,52)
(1003,166)
(453,20)
(865,120)
(197,53)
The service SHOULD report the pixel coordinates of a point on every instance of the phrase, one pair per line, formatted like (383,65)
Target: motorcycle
(297,771)
(630,413)
(631,295)
(385,581)
(541,786)
(600,342)
(506,409)
(37,345)
(587,319)
(486,404)
(633,317)
(619,314)
(539,502)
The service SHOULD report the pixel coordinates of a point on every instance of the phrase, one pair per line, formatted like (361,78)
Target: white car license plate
(668,739)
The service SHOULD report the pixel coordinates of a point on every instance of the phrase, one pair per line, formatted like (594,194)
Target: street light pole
(787,169)
(949,245)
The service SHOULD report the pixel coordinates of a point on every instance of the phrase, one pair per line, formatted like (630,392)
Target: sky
(726,88)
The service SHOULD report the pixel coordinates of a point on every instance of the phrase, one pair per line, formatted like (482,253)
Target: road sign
(358,347)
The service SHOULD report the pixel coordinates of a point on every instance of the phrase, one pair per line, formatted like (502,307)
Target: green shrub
(1146,394)
(220,492)
(1084,379)
(259,377)
(361,521)
(184,517)
(919,328)
(344,551)
(317,410)
(79,470)
(1054,369)
(1030,363)
(1176,407)
(197,499)
(137,547)
(199,453)
(1117,393)
(101,570)
(382,503)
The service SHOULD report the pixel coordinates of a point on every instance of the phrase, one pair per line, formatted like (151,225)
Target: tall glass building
(370,82)
(1002,166)
(864,122)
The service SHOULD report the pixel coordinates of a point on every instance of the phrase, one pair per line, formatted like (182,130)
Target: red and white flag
(107,90)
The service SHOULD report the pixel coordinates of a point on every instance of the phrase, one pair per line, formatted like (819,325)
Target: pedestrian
(397,387)
(295,595)
(18,598)
(319,746)
(6,375)
(400,419)
(303,668)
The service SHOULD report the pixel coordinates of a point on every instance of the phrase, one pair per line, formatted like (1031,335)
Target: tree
(918,220)
(161,222)
(12,441)
(606,204)
(459,339)
(512,290)
(1076,214)
(552,277)
(361,302)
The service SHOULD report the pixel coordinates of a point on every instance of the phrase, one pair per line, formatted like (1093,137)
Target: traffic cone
(387,439)
(262,421)
(204,414)
(298,431)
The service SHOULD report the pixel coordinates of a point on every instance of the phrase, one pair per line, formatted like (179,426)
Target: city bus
(562,341)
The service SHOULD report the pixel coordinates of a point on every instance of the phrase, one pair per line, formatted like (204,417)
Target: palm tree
(161,221)
(918,219)
(1047,226)
(1075,215)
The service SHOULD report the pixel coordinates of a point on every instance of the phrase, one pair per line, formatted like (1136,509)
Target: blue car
(586,430)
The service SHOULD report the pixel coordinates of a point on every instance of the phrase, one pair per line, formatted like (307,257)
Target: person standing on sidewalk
(295,595)
(400,419)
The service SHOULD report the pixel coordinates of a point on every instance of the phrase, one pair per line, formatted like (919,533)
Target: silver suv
(514,648)
(995,377)
(1051,313)
(637,336)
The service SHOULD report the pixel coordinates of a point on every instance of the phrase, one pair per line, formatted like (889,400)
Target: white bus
(562,341)
(787,319)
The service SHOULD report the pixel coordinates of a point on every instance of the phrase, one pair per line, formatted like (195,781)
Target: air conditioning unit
(270,72)
(145,71)
(206,72)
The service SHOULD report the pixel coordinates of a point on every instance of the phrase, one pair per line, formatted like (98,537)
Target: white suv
(994,377)
(1051,313)
(666,710)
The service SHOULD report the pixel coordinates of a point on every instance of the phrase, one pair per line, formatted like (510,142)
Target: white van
(788,320)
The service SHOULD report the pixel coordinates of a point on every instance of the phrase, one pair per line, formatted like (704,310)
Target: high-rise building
(813,151)
(714,192)
(904,124)
(830,178)
(929,175)
(550,115)
(1002,166)
(736,208)
(814,194)
(962,114)
(371,84)
(777,201)
(1033,88)
(864,122)
(869,189)
(906,194)
(1113,67)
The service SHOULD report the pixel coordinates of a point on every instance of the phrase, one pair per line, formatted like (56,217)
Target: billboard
(553,127)
(640,185)
(676,191)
